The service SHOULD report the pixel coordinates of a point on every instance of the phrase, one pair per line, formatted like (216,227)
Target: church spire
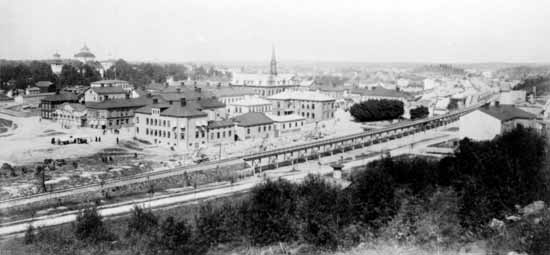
(273,69)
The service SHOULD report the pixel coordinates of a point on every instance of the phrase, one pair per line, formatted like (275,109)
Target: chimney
(155,100)
(197,89)
(183,101)
(178,90)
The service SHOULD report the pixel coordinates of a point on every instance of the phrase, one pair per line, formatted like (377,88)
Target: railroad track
(145,177)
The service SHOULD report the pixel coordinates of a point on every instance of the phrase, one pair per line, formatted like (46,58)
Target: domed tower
(85,54)
(56,64)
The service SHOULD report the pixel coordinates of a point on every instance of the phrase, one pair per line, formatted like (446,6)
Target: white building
(286,123)
(100,94)
(512,97)
(487,122)
(70,115)
(249,104)
(313,106)
(253,125)
(266,84)
(172,124)
(112,84)
(84,55)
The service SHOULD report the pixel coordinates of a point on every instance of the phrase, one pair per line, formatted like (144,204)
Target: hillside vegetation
(432,206)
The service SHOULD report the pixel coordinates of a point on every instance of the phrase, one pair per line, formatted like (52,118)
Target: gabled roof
(220,124)
(120,103)
(252,119)
(61,97)
(507,112)
(173,110)
(108,90)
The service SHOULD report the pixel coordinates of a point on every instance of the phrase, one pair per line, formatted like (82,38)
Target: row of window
(155,122)
(119,122)
(290,124)
(265,128)
(219,134)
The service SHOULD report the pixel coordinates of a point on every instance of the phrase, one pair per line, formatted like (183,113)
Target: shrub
(89,227)
(318,212)
(419,112)
(372,197)
(377,110)
(141,222)
(271,213)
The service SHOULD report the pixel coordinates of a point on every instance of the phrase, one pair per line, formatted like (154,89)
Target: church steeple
(273,68)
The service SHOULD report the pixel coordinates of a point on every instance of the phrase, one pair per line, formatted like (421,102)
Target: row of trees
(377,110)
(77,73)
(423,201)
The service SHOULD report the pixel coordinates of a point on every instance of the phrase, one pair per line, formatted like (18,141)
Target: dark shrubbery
(89,227)
(419,112)
(424,202)
(377,110)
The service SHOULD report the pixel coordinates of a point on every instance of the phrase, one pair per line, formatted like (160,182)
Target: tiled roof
(507,112)
(120,103)
(252,119)
(108,90)
(248,101)
(173,110)
(220,124)
(61,97)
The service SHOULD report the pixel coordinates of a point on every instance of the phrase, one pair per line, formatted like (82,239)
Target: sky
(300,30)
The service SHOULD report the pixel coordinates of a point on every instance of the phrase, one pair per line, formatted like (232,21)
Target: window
(283,126)
(212,136)
(259,129)
(229,133)
(313,115)
(265,128)
(137,119)
(269,127)
(203,134)
(197,134)
(182,136)
(312,106)
(168,134)
(248,131)
(218,134)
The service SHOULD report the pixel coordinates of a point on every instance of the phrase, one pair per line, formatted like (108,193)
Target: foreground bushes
(432,204)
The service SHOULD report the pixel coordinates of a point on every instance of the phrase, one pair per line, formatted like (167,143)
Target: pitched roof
(43,83)
(61,97)
(202,99)
(120,103)
(220,124)
(173,110)
(285,118)
(507,112)
(108,90)
(252,119)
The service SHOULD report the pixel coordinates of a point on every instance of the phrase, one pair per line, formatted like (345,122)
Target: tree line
(421,201)
(25,73)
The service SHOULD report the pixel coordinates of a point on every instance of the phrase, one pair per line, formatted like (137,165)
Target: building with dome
(266,85)
(84,55)
(56,64)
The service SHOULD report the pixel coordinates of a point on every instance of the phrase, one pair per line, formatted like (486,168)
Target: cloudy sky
(245,30)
